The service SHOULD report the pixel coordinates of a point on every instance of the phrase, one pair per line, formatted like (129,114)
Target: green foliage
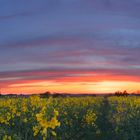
(70,118)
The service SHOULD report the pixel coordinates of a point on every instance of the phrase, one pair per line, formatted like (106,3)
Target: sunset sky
(72,46)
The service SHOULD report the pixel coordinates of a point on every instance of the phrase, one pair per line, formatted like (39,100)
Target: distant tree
(45,94)
(119,93)
(125,93)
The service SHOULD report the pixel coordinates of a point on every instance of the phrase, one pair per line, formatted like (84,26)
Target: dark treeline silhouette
(120,93)
(55,95)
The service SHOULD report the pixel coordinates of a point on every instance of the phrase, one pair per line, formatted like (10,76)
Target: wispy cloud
(69,41)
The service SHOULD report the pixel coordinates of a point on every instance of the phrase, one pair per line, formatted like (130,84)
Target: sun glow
(73,87)
(112,86)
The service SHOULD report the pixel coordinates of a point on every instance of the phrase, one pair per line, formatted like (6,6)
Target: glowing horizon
(85,84)
(72,46)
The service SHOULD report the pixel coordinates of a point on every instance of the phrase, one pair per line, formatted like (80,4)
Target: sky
(71,46)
